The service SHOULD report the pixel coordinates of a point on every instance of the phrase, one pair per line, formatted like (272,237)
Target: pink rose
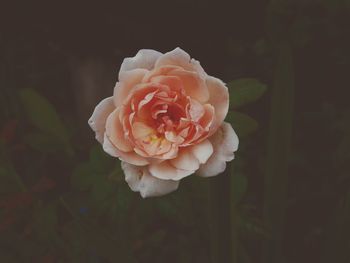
(165,121)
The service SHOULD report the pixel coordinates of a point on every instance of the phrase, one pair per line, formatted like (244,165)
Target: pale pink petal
(208,118)
(144,59)
(166,171)
(98,119)
(115,132)
(130,157)
(140,130)
(173,82)
(185,161)
(195,110)
(225,142)
(219,98)
(179,57)
(202,151)
(193,84)
(140,180)
(127,81)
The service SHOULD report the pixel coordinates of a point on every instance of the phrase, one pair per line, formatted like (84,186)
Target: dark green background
(284,199)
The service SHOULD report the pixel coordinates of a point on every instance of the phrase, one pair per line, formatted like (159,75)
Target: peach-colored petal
(208,118)
(166,171)
(115,132)
(140,130)
(98,119)
(185,161)
(225,142)
(219,98)
(172,82)
(194,85)
(202,151)
(127,81)
(130,157)
(145,59)
(179,57)
(195,110)
(140,180)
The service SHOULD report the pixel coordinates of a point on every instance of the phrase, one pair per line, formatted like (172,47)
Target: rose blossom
(165,121)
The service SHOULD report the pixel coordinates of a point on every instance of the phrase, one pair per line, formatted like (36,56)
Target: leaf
(243,124)
(83,177)
(102,189)
(45,221)
(42,114)
(42,142)
(99,160)
(244,91)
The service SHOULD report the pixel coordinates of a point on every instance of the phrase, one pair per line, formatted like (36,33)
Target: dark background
(288,197)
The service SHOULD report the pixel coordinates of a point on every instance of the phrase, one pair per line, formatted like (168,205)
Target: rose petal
(145,59)
(166,171)
(202,151)
(194,85)
(185,161)
(115,132)
(98,119)
(130,157)
(225,142)
(179,57)
(218,97)
(140,180)
(127,81)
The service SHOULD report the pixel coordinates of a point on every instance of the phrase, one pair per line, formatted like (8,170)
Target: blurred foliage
(62,199)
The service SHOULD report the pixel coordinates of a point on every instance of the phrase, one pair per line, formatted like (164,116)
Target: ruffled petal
(166,171)
(219,98)
(225,142)
(202,151)
(140,180)
(129,157)
(193,84)
(127,81)
(98,119)
(179,57)
(115,132)
(145,59)
(185,161)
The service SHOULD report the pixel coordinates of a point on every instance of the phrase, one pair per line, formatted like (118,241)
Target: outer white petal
(140,180)
(179,57)
(99,117)
(166,171)
(225,142)
(202,151)
(145,59)
(185,161)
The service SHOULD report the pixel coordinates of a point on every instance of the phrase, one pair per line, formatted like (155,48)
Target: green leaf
(42,114)
(99,160)
(243,124)
(83,177)
(42,142)
(244,91)
(45,221)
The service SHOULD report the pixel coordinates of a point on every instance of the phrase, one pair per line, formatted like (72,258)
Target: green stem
(278,151)
(234,219)
(220,217)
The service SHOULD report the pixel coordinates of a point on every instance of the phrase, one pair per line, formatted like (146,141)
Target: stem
(278,151)
(234,223)
(220,217)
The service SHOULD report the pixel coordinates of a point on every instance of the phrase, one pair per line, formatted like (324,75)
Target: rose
(165,121)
